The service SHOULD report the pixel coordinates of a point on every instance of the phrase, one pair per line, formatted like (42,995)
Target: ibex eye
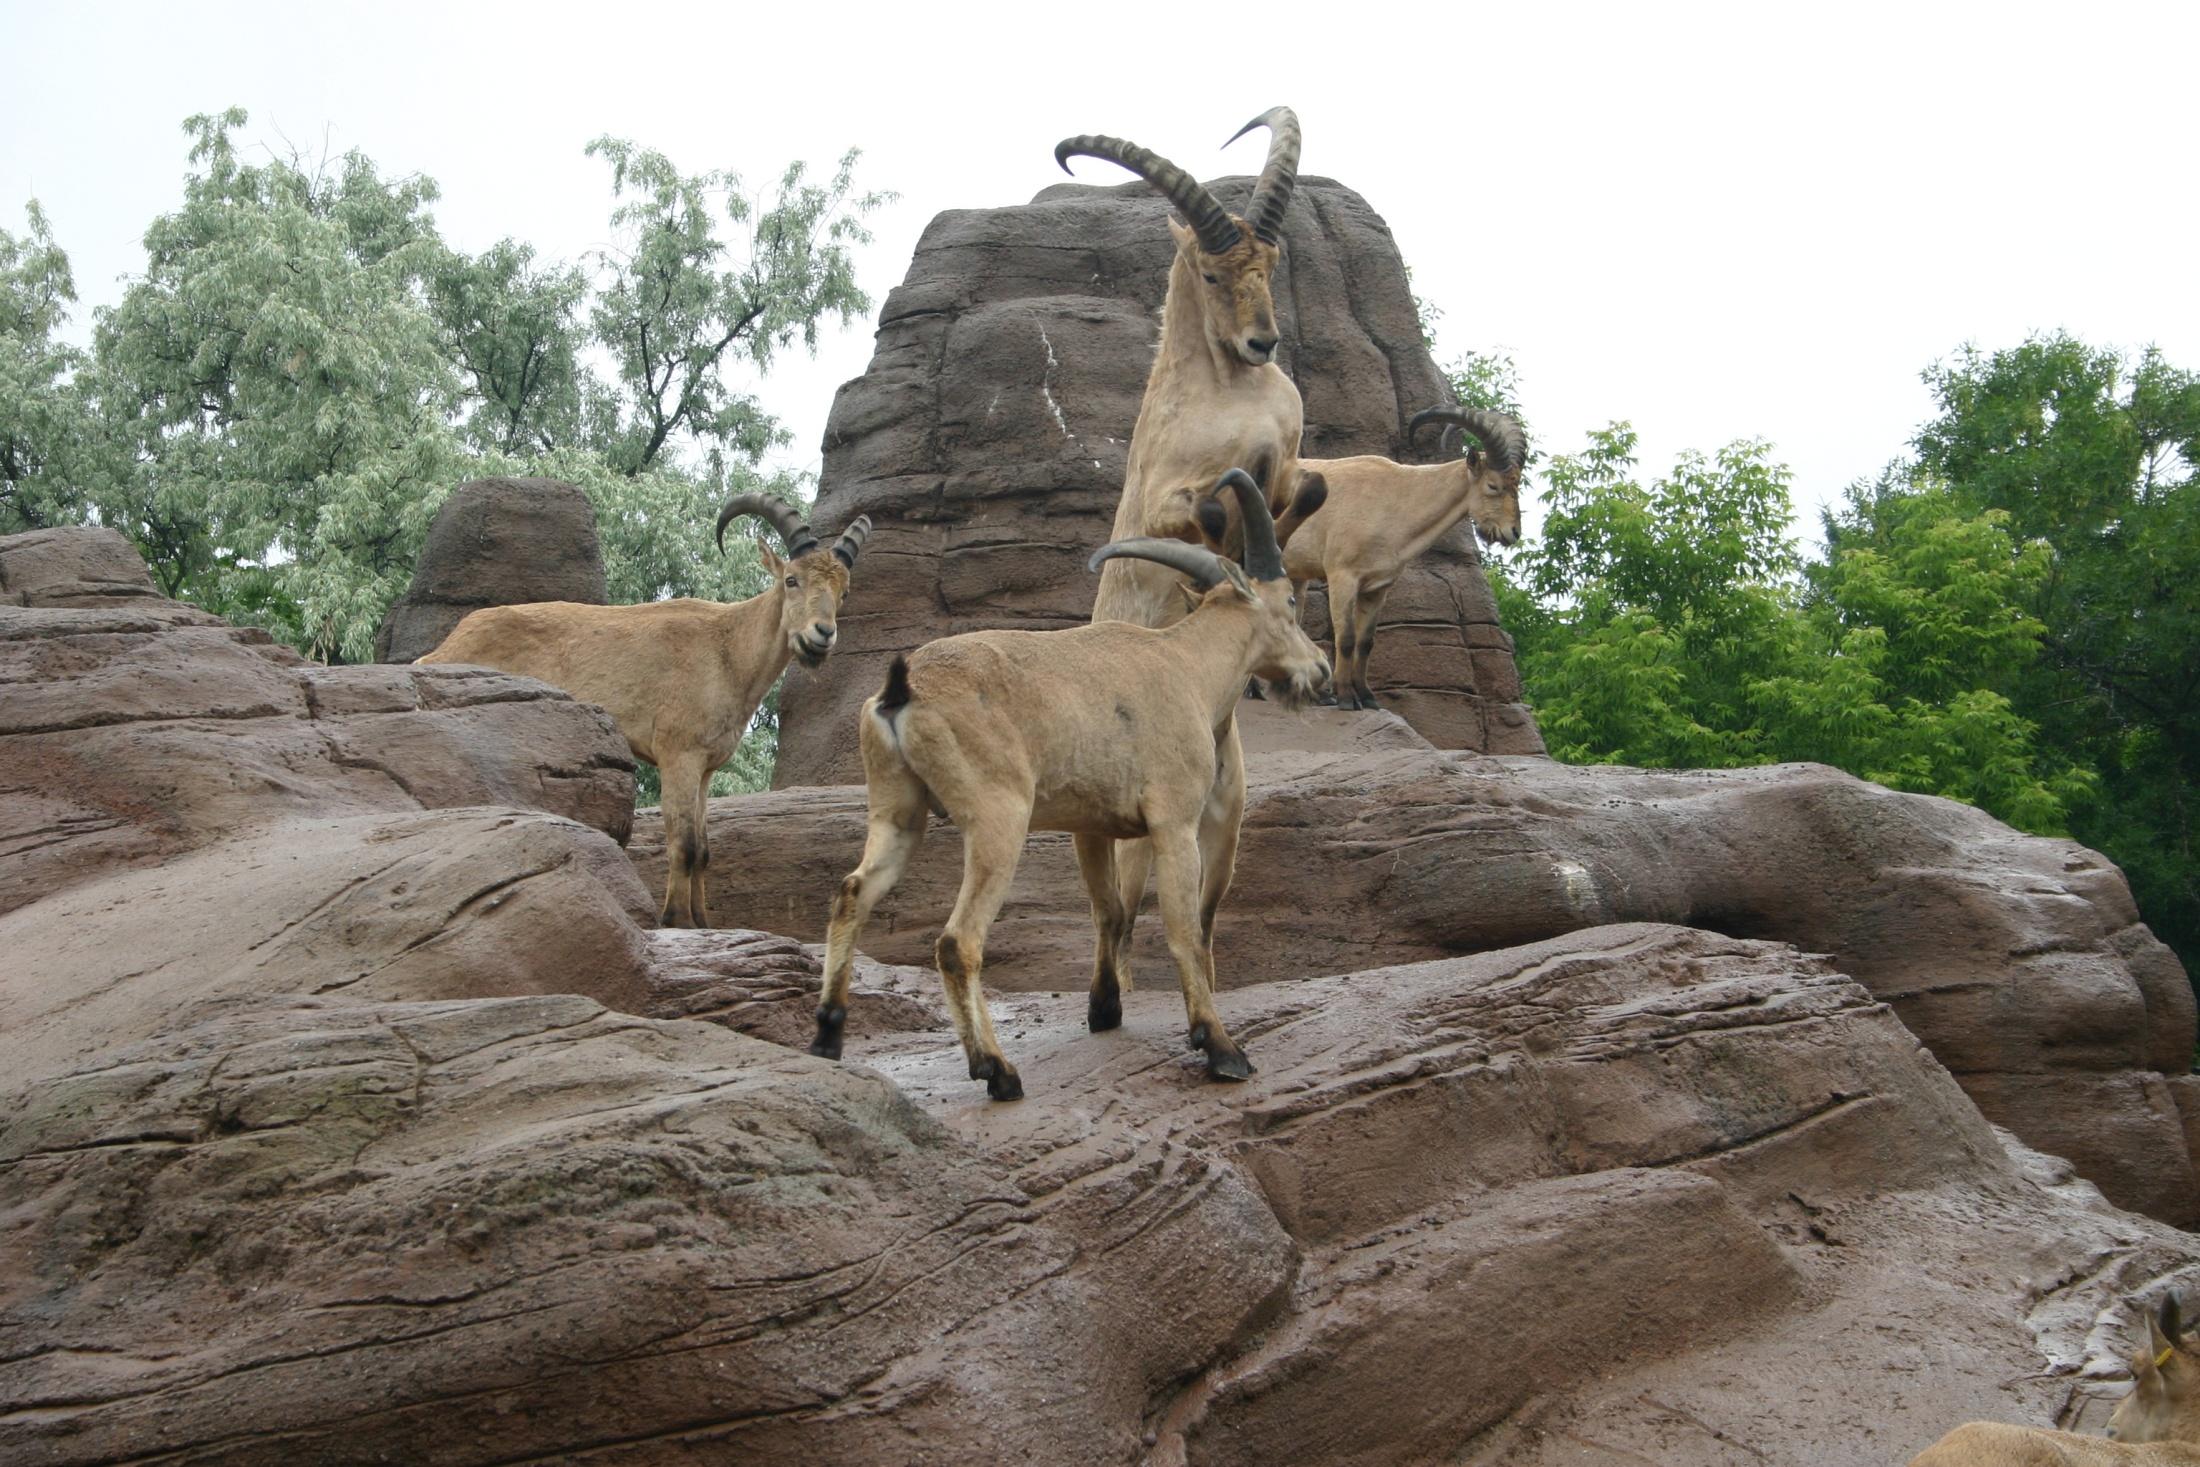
(1211,280)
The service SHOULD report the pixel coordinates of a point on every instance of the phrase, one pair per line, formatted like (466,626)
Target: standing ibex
(1105,731)
(681,678)
(1379,516)
(2157,1425)
(1215,401)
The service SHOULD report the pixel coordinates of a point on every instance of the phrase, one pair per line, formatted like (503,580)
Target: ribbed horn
(850,543)
(1263,558)
(1209,220)
(1201,564)
(1501,437)
(1278,176)
(781,516)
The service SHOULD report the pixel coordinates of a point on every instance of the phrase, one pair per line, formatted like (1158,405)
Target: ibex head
(1233,259)
(813,580)
(1493,468)
(2164,1404)
(1280,652)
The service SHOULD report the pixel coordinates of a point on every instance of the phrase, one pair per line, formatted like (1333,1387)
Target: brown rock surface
(134,728)
(2019,961)
(346,1116)
(1707,1185)
(987,443)
(495,542)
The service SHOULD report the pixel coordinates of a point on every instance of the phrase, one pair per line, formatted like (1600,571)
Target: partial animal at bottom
(1106,731)
(2157,1425)
(1380,516)
(680,678)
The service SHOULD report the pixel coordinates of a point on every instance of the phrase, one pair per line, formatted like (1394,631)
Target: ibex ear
(1238,579)
(1474,457)
(1191,597)
(769,556)
(1181,233)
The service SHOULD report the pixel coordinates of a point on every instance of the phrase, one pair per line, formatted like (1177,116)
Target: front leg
(1177,880)
(1364,616)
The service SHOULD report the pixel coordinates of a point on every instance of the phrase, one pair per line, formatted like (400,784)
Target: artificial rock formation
(2019,961)
(495,542)
(349,1114)
(987,443)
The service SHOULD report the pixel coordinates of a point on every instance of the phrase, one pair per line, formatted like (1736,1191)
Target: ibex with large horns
(2157,1425)
(1379,516)
(681,678)
(1215,401)
(1104,731)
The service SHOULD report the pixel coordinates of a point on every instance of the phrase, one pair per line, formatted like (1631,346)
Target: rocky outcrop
(349,1113)
(1611,1192)
(2020,962)
(987,442)
(135,729)
(495,542)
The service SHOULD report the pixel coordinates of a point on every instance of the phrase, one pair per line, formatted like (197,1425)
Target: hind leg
(1364,614)
(1096,863)
(897,823)
(992,845)
(698,896)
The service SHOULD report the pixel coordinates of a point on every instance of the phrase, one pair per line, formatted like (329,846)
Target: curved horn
(1263,557)
(1201,564)
(851,540)
(1209,220)
(1501,437)
(1278,176)
(782,516)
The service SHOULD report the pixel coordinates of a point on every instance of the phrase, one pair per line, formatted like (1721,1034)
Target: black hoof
(1228,1064)
(1001,1082)
(1252,690)
(831,1020)
(1105,1011)
(1367,701)
(1327,700)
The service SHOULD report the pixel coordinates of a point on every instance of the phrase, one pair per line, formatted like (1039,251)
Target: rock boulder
(495,542)
(2019,961)
(988,439)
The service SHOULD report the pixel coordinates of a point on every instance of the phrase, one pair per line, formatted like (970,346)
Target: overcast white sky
(1715,221)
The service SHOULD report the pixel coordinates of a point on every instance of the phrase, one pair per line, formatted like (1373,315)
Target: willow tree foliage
(277,406)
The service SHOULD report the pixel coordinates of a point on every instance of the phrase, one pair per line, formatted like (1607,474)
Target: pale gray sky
(1717,221)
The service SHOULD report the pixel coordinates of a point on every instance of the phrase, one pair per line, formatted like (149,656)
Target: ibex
(1379,516)
(2157,1425)
(1215,401)
(1105,731)
(680,678)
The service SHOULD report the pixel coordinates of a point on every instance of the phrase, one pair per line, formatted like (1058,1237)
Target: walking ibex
(681,678)
(1105,731)
(1380,516)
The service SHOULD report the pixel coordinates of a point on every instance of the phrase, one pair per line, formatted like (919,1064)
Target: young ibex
(1105,731)
(2157,1425)
(1379,516)
(1215,401)
(682,678)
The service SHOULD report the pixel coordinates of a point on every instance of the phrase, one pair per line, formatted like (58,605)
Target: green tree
(2090,456)
(47,435)
(277,407)
(681,306)
(1674,624)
